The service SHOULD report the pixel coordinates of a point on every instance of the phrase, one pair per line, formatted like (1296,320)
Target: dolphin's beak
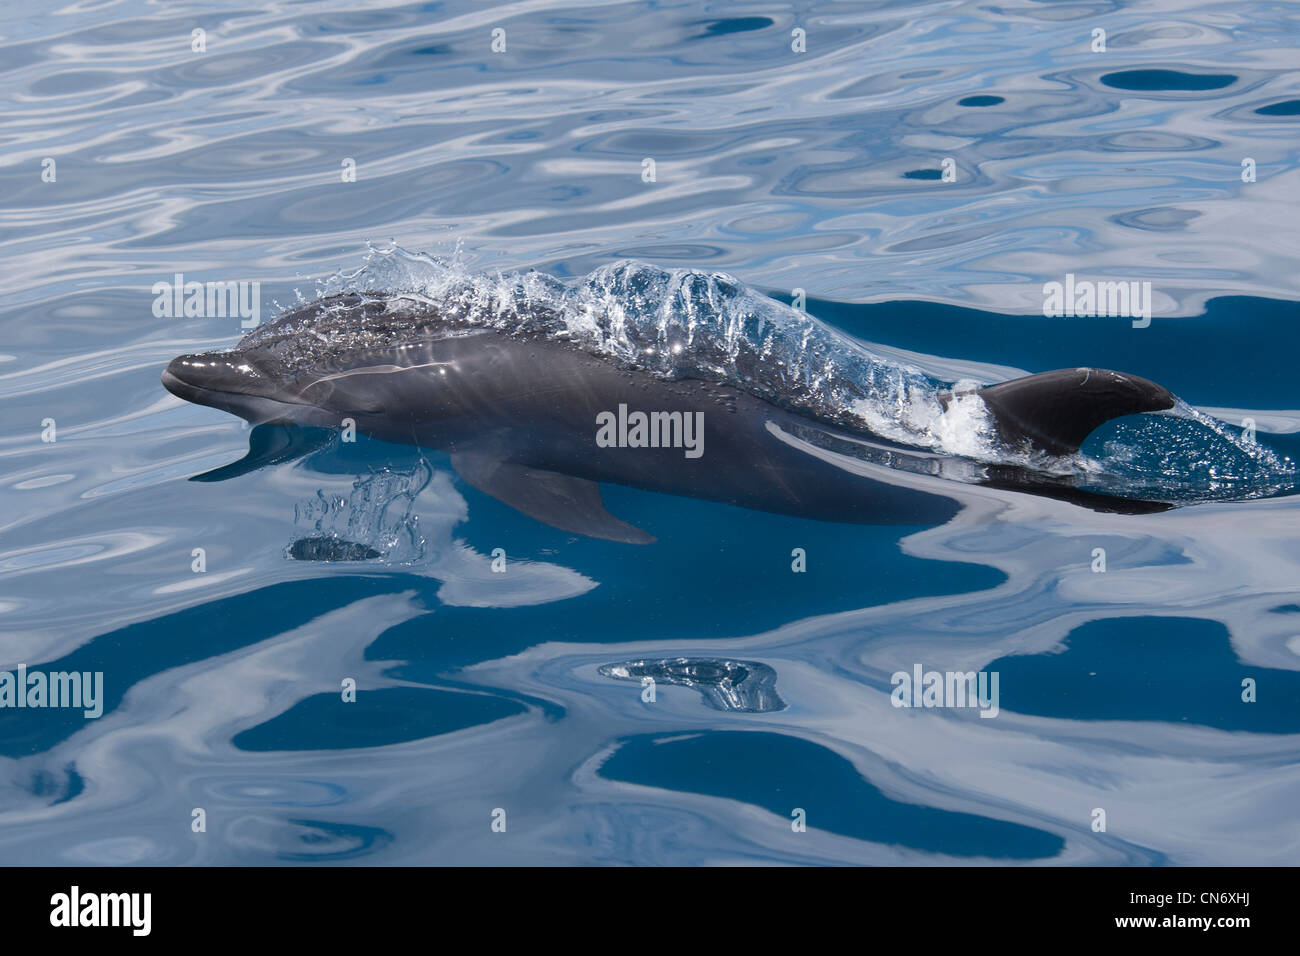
(224,380)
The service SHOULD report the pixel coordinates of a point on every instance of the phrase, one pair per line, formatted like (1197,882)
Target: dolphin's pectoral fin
(1056,411)
(270,445)
(562,501)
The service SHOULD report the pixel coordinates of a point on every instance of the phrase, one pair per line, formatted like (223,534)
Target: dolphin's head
(282,371)
(233,382)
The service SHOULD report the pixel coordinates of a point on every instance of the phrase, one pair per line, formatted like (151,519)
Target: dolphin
(539,423)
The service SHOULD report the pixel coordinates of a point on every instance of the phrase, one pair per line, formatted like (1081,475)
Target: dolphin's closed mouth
(214,372)
(225,381)
(175,379)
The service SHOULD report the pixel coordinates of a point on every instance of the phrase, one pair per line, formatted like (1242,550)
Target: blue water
(480,692)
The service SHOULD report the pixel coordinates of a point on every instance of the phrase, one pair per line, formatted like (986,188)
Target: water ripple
(129,157)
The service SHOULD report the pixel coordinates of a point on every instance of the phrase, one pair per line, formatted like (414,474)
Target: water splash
(377,521)
(681,323)
(743,686)
(688,323)
(1185,455)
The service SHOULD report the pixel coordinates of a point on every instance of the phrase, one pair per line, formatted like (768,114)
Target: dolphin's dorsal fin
(562,501)
(271,444)
(1056,411)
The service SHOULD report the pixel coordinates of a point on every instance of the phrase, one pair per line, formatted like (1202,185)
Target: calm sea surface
(285,140)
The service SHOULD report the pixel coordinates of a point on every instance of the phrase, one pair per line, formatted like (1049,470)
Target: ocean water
(1146,714)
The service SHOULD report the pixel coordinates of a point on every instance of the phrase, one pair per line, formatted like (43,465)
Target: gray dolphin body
(539,423)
